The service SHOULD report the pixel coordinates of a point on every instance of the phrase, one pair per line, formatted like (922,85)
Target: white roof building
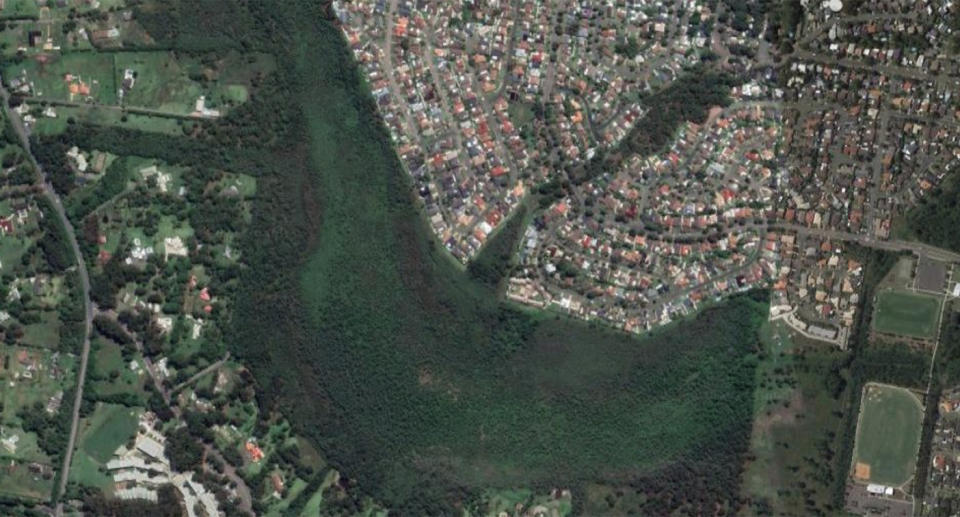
(150,447)
(137,493)
(174,246)
(877,489)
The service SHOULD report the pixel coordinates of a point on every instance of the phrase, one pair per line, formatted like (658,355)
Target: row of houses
(485,99)
(665,232)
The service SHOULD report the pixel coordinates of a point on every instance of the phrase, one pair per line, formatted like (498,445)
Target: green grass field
(113,375)
(907,314)
(108,428)
(901,275)
(888,433)
(172,83)
(17,480)
(27,446)
(86,471)
(108,116)
(245,185)
(162,82)
(12,247)
(313,505)
(16,8)
(45,334)
(278,507)
(108,357)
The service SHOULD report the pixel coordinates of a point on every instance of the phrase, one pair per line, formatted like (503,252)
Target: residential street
(387,59)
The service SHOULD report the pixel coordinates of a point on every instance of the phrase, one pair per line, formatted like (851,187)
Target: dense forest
(936,217)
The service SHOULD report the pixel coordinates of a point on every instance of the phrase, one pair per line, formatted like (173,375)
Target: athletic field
(888,435)
(906,314)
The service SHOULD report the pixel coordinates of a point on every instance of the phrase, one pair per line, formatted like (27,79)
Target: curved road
(54,199)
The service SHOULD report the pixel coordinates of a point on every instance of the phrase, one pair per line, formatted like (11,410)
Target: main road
(824,233)
(54,200)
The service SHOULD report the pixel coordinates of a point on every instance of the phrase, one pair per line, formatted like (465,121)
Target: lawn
(168,227)
(27,446)
(108,356)
(19,8)
(141,225)
(314,503)
(901,275)
(172,83)
(907,314)
(162,82)
(769,410)
(12,247)
(17,480)
(275,438)
(107,429)
(888,435)
(106,116)
(56,33)
(316,500)
(278,507)
(45,334)
(50,294)
(309,455)
(86,471)
(246,185)
(108,359)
